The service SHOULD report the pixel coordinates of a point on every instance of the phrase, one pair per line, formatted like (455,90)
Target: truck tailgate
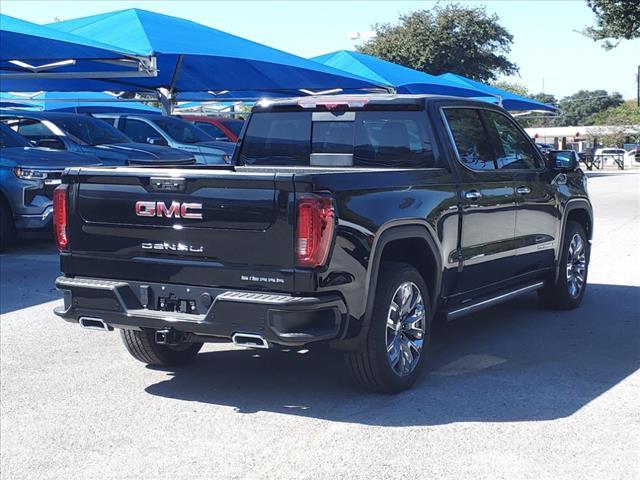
(211,227)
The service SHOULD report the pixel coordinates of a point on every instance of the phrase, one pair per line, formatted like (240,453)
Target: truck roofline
(377,99)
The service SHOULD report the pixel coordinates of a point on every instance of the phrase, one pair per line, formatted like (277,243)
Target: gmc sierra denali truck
(347,221)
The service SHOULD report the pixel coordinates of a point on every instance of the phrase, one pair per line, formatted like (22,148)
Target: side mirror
(157,141)
(54,143)
(563,160)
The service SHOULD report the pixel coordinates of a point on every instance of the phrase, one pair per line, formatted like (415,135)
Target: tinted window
(277,139)
(332,137)
(514,151)
(396,139)
(90,131)
(109,120)
(34,130)
(470,138)
(139,131)
(211,129)
(181,130)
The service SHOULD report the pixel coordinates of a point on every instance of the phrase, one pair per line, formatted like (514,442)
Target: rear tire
(567,291)
(7,227)
(142,346)
(389,361)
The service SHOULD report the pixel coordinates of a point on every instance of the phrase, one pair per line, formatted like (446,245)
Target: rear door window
(470,138)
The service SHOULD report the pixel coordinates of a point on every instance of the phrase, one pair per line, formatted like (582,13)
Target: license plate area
(174,304)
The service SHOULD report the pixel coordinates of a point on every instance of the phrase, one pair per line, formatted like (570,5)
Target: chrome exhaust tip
(250,340)
(92,323)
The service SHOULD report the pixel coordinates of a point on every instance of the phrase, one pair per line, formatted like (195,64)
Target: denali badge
(172,247)
(176,209)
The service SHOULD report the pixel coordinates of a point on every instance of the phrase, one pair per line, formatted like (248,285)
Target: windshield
(10,139)
(376,139)
(91,131)
(182,131)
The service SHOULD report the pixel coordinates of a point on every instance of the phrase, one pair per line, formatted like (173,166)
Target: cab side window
(470,137)
(513,149)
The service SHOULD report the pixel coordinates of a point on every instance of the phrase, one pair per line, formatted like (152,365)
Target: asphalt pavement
(513,392)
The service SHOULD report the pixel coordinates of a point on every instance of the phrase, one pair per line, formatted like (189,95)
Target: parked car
(172,131)
(28,177)
(220,128)
(84,134)
(346,221)
(609,156)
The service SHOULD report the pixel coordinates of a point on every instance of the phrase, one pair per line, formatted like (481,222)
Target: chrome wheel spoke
(405,329)
(407,358)
(393,351)
(576,265)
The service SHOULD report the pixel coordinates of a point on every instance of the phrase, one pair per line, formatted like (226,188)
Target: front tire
(142,346)
(399,332)
(569,288)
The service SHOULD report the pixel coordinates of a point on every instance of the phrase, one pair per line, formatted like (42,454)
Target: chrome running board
(474,307)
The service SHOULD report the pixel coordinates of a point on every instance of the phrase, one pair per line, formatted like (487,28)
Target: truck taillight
(60,216)
(314,230)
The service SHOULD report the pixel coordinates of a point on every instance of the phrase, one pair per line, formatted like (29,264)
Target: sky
(553,57)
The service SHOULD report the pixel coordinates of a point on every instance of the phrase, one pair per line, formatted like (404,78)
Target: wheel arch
(579,210)
(394,244)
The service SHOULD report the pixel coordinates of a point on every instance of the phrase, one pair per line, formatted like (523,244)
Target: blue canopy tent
(79,102)
(243,95)
(508,100)
(194,58)
(405,80)
(8,100)
(87,102)
(31,54)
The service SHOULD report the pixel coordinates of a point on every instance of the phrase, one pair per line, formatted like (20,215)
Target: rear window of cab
(375,139)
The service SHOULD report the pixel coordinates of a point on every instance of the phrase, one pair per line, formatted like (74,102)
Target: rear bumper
(279,318)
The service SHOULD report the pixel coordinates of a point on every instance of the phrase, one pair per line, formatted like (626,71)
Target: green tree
(448,38)
(615,20)
(541,120)
(512,87)
(626,114)
(578,108)
(545,98)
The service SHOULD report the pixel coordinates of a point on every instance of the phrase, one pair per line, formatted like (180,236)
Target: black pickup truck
(347,221)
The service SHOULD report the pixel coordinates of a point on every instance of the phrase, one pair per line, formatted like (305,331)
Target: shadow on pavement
(27,274)
(515,362)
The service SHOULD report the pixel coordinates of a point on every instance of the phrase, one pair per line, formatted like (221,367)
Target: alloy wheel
(405,330)
(576,265)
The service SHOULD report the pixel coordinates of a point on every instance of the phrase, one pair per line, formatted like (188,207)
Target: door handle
(473,195)
(523,190)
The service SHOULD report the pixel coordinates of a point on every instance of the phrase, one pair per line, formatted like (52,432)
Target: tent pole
(166,102)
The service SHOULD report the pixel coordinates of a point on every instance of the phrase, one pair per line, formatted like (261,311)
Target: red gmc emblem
(176,210)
